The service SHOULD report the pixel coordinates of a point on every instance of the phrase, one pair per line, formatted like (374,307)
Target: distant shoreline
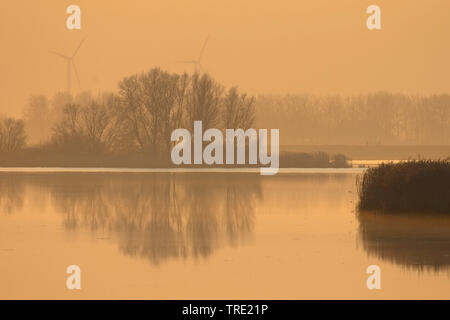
(171,170)
(39,157)
(376,152)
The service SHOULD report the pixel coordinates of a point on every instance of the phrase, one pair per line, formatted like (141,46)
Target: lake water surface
(210,235)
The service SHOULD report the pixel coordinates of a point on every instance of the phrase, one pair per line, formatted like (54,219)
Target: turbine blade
(76,73)
(78,48)
(203,48)
(186,61)
(60,55)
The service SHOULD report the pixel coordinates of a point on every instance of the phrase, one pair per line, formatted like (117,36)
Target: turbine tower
(197,63)
(70,64)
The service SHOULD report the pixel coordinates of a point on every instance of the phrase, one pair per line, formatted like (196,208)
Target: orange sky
(283,46)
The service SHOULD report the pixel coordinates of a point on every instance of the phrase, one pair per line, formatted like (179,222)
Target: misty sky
(283,46)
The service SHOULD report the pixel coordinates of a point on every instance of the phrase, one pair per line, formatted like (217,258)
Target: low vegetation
(413,186)
(313,160)
(49,156)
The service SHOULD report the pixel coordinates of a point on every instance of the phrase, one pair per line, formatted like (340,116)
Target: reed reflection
(414,241)
(159,216)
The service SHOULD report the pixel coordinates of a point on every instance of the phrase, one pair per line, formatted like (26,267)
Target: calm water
(211,235)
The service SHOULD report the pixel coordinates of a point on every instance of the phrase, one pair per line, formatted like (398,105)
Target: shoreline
(171,170)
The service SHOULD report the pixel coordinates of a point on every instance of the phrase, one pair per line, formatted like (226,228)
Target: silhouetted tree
(88,127)
(239,111)
(204,101)
(12,135)
(163,96)
(141,117)
(133,112)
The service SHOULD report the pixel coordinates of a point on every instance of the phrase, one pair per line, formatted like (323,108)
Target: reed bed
(410,186)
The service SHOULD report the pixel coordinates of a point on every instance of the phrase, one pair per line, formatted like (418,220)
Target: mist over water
(211,235)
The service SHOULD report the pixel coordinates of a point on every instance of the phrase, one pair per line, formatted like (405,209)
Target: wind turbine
(70,64)
(197,63)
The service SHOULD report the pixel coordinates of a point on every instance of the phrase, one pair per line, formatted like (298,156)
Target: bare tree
(239,111)
(90,127)
(12,135)
(161,100)
(152,106)
(204,99)
(96,120)
(133,114)
(67,133)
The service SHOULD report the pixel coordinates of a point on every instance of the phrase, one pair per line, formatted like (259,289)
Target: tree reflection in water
(159,216)
(11,193)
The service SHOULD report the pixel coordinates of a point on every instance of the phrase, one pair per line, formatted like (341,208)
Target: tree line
(147,107)
(139,117)
(380,118)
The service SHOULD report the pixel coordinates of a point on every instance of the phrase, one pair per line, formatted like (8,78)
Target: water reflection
(11,193)
(413,241)
(154,215)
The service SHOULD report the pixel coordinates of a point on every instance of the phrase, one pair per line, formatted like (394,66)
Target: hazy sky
(282,46)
